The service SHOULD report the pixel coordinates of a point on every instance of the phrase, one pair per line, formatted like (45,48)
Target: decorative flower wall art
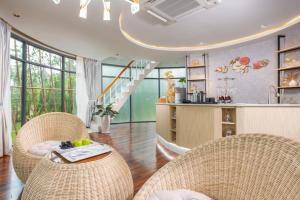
(242,65)
(261,63)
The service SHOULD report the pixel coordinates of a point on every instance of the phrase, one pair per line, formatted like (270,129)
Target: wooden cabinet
(192,125)
(197,125)
(280,121)
(163,126)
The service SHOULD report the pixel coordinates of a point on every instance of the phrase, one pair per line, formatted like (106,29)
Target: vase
(105,124)
(293,83)
(97,123)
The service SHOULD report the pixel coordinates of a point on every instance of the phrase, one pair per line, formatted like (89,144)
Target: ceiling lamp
(56,1)
(106,11)
(135,6)
(83,8)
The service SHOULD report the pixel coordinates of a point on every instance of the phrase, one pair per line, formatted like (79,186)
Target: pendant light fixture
(83,8)
(134,6)
(56,1)
(106,11)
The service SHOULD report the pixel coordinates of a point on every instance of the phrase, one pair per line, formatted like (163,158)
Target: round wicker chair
(50,126)
(108,178)
(241,167)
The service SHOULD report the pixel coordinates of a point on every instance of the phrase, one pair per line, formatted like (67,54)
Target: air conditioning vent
(173,10)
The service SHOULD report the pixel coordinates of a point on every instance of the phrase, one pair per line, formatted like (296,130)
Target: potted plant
(180,92)
(105,113)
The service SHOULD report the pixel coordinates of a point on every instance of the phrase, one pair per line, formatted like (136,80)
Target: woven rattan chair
(108,178)
(248,167)
(50,126)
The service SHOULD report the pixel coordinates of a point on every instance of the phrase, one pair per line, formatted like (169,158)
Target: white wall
(253,87)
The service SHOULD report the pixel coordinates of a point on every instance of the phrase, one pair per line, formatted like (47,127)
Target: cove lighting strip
(248,38)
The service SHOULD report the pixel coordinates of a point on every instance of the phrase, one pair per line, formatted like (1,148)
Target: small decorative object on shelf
(195,62)
(171,87)
(228,132)
(290,61)
(228,117)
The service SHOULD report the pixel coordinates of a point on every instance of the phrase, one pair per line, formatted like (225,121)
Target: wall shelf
(199,84)
(295,48)
(199,66)
(289,87)
(288,68)
(228,123)
(199,79)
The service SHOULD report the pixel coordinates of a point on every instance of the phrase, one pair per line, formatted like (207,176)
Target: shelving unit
(189,70)
(281,51)
(173,123)
(228,121)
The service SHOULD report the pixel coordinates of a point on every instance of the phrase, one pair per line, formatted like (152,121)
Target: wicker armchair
(241,167)
(50,126)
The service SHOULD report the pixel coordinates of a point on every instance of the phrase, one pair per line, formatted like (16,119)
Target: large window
(41,81)
(140,107)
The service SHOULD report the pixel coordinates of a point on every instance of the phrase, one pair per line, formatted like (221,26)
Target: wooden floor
(135,142)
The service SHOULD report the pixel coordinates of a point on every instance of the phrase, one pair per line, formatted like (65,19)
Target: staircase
(120,89)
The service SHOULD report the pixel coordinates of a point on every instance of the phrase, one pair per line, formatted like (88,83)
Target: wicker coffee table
(104,177)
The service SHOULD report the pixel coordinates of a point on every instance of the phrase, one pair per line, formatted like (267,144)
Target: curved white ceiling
(59,26)
(231,22)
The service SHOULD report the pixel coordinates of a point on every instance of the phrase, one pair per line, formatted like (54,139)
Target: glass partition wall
(140,107)
(41,81)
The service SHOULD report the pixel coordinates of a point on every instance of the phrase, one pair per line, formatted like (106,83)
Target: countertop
(232,105)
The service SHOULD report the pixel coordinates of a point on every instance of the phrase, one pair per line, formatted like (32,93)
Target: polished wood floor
(135,142)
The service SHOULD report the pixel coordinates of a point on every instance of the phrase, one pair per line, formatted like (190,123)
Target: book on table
(83,152)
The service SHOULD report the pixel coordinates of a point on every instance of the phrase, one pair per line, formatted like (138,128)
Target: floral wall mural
(242,65)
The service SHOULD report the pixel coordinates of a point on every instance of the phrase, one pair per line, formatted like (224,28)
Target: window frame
(26,63)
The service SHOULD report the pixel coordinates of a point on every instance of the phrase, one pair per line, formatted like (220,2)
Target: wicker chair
(248,167)
(108,178)
(50,126)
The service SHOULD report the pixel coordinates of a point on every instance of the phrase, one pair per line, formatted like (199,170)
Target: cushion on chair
(179,195)
(42,149)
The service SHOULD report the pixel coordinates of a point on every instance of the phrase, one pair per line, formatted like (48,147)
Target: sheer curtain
(91,68)
(5,105)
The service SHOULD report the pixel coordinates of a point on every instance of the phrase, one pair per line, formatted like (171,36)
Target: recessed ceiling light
(106,11)
(56,1)
(83,8)
(263,26)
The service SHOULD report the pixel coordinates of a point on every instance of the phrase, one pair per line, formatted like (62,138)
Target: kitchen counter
(190,125)
(232,105)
